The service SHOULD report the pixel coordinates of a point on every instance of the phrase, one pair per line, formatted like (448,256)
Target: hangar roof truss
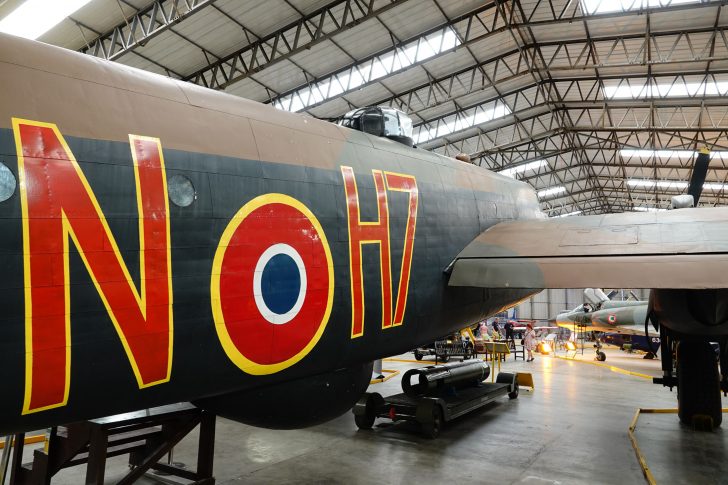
(599,104)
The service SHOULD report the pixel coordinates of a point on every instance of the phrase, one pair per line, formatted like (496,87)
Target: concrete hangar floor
(572,429)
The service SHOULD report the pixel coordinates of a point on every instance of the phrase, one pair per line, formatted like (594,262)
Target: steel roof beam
(472,28)
(300,35)
(142,26)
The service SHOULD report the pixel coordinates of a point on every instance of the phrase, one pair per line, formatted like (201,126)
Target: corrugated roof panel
(411,19)
(565,31)
(494,45)
(174,52)
(406,80)
(133,60)
(449,63)
(99,15)
(332,109)
(365,39)
(281,77)
(261,18)
(214,32)
(455,8)
(249,89)
(324,58)
(368,95)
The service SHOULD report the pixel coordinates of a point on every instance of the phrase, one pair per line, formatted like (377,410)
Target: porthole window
(181,191)
(7,183)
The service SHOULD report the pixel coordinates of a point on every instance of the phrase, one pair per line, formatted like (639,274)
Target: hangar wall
(548,303)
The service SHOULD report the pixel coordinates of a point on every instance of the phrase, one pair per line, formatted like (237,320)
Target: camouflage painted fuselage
(115,299)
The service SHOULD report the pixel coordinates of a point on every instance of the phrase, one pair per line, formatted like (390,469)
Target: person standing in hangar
(529,341)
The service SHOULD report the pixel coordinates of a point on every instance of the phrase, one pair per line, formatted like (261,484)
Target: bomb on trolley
(436,394)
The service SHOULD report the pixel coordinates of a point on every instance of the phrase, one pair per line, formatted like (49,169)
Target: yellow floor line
(407,361)
(29,440)
(612,368)
(630,431)
(390,373)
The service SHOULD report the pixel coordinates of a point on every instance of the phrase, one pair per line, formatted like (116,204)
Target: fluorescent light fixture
(683,154)
(662,184)
(639,89)
(591,7)
(376,68)
(674,184)
(461,121)
(36,17)
(511,172)
(569,214)
(648,209)
(716,187)
(552,191)
(639,153)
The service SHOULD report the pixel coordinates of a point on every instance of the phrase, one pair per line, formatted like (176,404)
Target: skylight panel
(36,17)
(717,187)
(662,184)
(461,121)
(413,52)
(642,153)
(648,209)
(511,172)
(641,89)
(591,7)
(550,192)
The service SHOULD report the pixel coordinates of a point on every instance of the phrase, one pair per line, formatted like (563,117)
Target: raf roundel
(279,283)
(272,284)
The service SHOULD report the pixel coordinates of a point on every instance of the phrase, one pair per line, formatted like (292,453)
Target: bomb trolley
(439,394)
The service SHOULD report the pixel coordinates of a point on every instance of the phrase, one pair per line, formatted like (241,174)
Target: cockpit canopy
(387,122)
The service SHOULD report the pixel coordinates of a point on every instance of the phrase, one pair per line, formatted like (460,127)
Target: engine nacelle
(294,404)
(692,312)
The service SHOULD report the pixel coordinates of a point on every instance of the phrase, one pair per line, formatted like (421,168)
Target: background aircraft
(172,243)
(650,344)
(601,314)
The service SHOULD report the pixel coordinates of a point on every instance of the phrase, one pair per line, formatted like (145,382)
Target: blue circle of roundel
(280,283)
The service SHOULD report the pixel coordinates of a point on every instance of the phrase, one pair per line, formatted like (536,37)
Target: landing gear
(601,356)
(698,385)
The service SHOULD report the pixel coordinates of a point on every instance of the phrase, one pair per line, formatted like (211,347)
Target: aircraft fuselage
(165,243)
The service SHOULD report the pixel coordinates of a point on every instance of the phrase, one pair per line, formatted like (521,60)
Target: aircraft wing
(684,248)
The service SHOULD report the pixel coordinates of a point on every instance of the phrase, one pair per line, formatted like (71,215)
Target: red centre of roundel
(255,337)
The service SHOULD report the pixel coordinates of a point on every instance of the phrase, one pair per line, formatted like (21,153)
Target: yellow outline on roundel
(231,350)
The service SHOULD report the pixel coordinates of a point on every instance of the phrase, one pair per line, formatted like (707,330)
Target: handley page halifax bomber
(162,243)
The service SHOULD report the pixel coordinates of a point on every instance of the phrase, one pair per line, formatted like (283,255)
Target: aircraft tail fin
(595,296)
(700,170)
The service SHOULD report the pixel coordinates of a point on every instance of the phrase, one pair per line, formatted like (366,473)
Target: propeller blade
(700,170)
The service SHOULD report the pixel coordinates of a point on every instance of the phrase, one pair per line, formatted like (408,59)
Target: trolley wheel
(443,358)
(365,410)
(364,421)
(601,356)
(649,356)
(469,351)
(698,386)
(431,428)
(418,356)
(514,393)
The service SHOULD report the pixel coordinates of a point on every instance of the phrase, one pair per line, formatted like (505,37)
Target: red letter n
(59,206)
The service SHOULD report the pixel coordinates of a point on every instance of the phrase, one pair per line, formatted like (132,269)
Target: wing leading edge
(685,248)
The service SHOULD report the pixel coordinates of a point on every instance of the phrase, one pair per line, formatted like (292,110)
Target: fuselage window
(7,183)
(181,191)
